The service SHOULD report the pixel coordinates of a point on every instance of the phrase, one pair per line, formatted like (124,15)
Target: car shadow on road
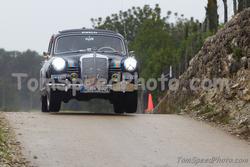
(93,114)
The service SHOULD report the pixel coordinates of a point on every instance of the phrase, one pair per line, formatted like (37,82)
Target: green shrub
(237,53)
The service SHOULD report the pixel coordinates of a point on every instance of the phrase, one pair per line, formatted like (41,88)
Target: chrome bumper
(117,87)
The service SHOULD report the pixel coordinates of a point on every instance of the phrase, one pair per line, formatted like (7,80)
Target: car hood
(75,58)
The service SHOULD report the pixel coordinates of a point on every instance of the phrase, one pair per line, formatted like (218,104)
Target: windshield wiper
(75,51)
(79,51)
(114,52)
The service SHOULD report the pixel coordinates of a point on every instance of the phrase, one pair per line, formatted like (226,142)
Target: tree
(128,22)
(154,47)
(225,11)
(242,4)
(235,6)
(157,42)
(212,15)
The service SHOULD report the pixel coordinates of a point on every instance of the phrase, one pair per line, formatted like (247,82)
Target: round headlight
(130,64)
(59,64)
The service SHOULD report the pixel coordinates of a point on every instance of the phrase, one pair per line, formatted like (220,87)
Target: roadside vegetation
(4,155)
(10,154)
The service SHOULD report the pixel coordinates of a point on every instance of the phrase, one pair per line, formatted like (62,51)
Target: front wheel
(44,107)
(125,103)
(51,102)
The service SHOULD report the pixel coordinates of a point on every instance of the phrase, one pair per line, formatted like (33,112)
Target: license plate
(85,89)
(94,89)
(90,82)
(93,85)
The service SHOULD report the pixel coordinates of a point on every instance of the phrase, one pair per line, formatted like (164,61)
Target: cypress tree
(247,3)
(235,6)
(240,5)
(212,15)
(225,11)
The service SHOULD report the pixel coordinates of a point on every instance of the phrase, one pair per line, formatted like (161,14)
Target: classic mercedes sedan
(89,63)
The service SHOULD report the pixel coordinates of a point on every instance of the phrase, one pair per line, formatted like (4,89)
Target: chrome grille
(94,66)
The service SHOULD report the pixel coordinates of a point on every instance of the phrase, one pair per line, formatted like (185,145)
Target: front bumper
(116,87)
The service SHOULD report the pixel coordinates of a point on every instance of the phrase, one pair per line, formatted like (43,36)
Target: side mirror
(46,55)
(131,53)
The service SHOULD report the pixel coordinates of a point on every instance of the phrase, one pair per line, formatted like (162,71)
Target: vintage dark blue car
(89,63)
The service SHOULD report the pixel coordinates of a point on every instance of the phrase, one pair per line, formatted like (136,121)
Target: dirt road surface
(90,140)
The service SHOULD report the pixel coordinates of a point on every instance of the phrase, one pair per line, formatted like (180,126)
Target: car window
(50,44)
(103,43)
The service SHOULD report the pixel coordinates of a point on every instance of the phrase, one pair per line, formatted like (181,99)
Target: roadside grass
(211,113)
(10,150)
(4,150)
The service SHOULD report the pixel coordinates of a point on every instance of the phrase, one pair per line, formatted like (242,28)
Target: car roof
(89,31)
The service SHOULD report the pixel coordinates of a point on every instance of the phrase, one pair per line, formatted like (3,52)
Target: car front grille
(94,66)
(73,70)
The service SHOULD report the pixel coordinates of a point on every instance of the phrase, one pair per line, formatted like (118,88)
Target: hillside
(226,56)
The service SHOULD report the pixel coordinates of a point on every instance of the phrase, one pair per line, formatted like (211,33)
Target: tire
(131,102)
(119,107)
(125,103)
(44,107)
(53,101)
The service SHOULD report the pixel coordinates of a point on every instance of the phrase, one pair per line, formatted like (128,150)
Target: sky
(29,24)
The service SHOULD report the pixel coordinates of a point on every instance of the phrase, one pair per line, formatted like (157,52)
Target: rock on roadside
(226,55)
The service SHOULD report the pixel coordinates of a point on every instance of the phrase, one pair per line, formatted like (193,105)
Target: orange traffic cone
(150,104)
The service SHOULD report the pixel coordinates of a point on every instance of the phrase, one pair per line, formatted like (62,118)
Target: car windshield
(100,43)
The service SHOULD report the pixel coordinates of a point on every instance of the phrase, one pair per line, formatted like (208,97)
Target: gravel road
(91,140)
